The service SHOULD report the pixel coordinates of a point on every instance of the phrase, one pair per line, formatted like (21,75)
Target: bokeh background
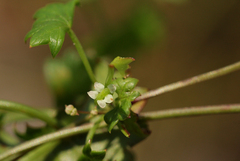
(170,39)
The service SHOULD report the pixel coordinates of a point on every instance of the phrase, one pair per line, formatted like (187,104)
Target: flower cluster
(101,92)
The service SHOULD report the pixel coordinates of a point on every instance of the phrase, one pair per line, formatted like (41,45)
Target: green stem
(92,131)
(164,114)
(191,111)
(190,81)
(47,138)
(30,111)
(82,55)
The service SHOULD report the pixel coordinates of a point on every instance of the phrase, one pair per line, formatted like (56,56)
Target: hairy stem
(30,111)
(157,115)
(47,138)
(82,55)
(190,81)
(191,111)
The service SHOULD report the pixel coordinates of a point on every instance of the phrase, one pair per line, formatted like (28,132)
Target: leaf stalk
(190,81)
(190,111)
(82,55)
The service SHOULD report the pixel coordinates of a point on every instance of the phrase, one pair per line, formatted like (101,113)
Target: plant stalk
(47,138)
(190,81)
(92,131)
(82,55)
(190,111)
(156,115)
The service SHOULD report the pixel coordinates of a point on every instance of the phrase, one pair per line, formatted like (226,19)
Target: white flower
(93,94)
(99,87)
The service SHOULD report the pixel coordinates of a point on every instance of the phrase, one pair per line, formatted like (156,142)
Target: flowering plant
(102,127)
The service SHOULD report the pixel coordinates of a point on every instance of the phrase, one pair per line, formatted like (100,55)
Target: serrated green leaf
(122,64)
(52,23)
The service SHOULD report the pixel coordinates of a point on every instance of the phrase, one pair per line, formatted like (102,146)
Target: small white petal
(98,86)
(92,94)
(101,103)
(108,98)
(112,88)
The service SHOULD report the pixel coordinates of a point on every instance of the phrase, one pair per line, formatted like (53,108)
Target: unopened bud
(71,110)
(94,111)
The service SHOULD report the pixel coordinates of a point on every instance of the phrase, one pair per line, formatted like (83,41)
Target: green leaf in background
(40,153)
(101,71)
(7,139)
(52,23)
(67,78)
(122,64)
(144,27)
(109,76)
(33,132)
(12,117)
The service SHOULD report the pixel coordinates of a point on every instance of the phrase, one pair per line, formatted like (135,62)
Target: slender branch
(164,114)
(30,111)
(82,55)
(92,131)
(49,137)
(191,111)
(190,81)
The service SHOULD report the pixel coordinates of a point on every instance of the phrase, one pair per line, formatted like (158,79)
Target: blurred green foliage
(143,27)
(67,78)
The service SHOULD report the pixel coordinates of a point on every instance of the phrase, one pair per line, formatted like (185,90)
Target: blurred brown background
(200,35)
